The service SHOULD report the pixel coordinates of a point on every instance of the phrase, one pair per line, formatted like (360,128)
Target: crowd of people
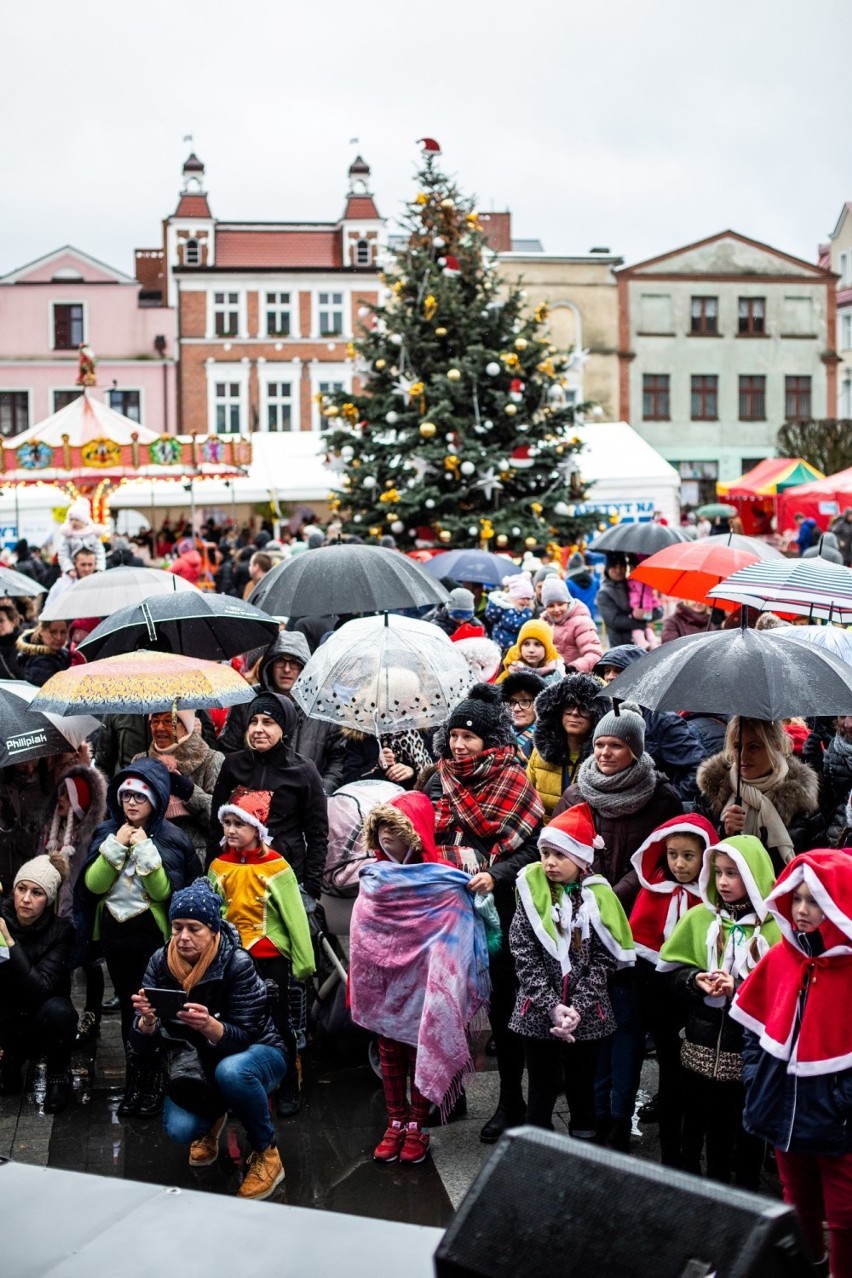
(592,874)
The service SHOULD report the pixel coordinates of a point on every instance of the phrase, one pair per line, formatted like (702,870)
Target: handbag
(187,1081)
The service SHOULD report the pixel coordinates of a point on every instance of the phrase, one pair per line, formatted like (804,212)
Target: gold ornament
(502,540)
(375,532)
(350,412)
(448,203)
(428,429)
(421,198)
(452,463)
(398,287)
(529,542)
(430,305)
(453,375)
(380,364)
(445,536)
(511,360)
(487,529)
(546,367)
(415,389)
(536,507)
(356,462)
(510,410)
(541,313)
(521,343)
(440,332)
(390,495)
(472,220)
(334,411)
(350,350)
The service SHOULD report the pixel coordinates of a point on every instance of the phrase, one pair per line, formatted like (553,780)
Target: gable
(66,264)
(727,254)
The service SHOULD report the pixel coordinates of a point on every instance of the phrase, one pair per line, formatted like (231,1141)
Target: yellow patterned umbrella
(141,682)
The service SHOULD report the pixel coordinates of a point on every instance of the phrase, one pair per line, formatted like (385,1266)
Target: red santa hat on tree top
(251,807)
(430,146)
(450,265)
(573,832)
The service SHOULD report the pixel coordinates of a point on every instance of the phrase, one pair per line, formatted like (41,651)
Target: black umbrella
(637,539)
(31,734)
(209,626)
(346,579)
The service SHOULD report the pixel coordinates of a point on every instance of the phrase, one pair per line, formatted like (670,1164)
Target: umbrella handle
(739,762)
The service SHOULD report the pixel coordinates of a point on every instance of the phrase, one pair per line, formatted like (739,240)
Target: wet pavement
(326,1148)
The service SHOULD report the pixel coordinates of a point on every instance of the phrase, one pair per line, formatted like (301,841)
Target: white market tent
(628,476)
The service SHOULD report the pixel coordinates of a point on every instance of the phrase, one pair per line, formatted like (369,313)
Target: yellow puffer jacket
(546,778)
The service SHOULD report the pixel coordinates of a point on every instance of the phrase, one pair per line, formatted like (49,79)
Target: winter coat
(807,1114)
(623,835)
(796,799)
(33,567)
(540,984)
(193,758)
(24,798)
(232,991)
(174,846)
(504,618)
(550,770)
(842,529)
(683,621)
(613,605)
(708,1028)
(188,566)
(709,728)
(298,814)
(38,661)
(576,639)
(83,830)
(585,587)
(39,964)
(10,657)
(836,788)
(361,755)
(122,737)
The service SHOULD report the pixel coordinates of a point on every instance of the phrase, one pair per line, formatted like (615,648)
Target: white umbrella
(382,675)
(803,587)
(834,639)
(103,593)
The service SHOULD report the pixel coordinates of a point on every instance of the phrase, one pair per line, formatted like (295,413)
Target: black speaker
(546,1205)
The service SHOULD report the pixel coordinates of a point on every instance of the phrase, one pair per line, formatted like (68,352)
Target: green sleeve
(157,884)
(100,876)
(286,902)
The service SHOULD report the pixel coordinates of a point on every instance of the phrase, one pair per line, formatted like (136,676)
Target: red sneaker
(415,1147)
(388,1148)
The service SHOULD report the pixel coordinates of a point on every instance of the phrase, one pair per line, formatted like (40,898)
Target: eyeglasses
(520,703)
(287,663)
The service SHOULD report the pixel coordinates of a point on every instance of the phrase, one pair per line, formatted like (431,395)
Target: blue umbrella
(472,565)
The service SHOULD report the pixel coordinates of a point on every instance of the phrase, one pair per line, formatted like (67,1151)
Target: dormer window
(192,253)
(362,253)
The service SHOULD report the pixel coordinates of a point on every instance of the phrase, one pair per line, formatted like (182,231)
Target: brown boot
(265,1173)
(204,1152)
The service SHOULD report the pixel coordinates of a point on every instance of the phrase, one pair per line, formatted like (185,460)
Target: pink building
(50,306)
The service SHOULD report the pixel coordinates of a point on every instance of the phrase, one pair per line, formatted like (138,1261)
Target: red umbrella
(690,569)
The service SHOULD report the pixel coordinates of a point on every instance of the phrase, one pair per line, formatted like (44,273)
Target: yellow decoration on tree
(541,312)
(430,305)
(333,411)
(398,287)
(546,366)
(380,364)
(511,360)
(529,542)
(453,374)
(521,343)
(390,495)
(350,412)
(440,332)
(427,429)
(448,203)
(452,464)
(536,507)
(350,350)
(375,532)
(421,198)
(502,541)
(445,536)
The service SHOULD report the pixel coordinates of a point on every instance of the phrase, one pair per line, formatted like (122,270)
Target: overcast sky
(639,125)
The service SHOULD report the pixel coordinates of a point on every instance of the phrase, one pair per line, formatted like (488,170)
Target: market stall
(756,492)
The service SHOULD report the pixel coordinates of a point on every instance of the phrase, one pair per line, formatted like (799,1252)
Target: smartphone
(166,1003)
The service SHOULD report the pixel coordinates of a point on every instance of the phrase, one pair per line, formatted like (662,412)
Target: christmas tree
(461,434)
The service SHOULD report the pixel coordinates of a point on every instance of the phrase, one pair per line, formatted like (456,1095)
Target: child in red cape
(797,1054)
(668,865)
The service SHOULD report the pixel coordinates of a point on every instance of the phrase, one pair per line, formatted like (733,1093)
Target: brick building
(265,309)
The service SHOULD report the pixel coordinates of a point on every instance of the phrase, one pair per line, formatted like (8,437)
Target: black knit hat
(277,707)
(482,712)
(522,682)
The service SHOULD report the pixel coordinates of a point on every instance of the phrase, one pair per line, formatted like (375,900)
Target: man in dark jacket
(322,743)
(10,666)
(675,748)
(613,602)
(28,563)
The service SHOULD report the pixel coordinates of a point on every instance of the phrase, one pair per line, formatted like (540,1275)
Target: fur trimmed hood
(96,811)
(28,648)
(411,817)
(798,792)
(574,690)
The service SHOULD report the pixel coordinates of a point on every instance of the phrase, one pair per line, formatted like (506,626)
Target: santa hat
(79,795)
(251,807)
(450,265)
(430,145)
(573,832)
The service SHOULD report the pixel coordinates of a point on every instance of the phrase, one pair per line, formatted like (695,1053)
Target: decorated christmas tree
(462,433)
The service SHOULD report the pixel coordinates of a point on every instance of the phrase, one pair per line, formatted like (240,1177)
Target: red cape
(661,901)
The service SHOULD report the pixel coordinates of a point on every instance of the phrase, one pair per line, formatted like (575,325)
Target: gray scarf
(621,794)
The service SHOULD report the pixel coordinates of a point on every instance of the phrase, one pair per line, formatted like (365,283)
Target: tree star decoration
(577,359)
(489,483)
(403,385)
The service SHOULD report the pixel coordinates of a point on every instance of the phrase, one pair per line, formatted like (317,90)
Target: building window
(655,313)
(846,332)
(362,253)
(226,314)
(752,399)
(192,253)
(329,388)
(846,269)
(278,315)
(331,314)
(797,398)
(279,406)
(227,402)
(704,315)
(655,397)
(704,398)
(126,402)
(846,397)
(751,315)
(67,326)
(62,398)
(14,412)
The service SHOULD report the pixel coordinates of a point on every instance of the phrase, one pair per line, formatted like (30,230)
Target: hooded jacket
(576,637)
(551,668)
(406,814)
(836,785)
(320,742)
(39,963)
(193,758)
(188,565)
(583,584)
(550,770)
(613,605)
(795,798)
(174,846)
(675,748)
(298,815)
(38,661)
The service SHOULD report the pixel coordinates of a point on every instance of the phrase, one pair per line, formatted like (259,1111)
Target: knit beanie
(554,591)
(542,573)
(269,703)
(520,586)
(79,795)
(135,785)
(481,712)
(573,832)
(540,630)
(198,902)
(86,624)
(627,725)
(80,509)
(576,565)
(42,871)
(460,602)
(185,545)
(251,807)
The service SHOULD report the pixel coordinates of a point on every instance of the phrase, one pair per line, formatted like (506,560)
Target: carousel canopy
(769,477)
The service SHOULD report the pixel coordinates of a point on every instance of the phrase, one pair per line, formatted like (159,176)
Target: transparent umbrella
(382,675)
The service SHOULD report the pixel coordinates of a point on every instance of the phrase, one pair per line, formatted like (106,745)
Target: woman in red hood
(797,1055)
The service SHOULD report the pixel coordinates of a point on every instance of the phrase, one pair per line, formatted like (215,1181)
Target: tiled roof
(192,206)
(360,207)
(278,248)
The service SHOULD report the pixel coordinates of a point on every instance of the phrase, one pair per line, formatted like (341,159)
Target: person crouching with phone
(239,1056)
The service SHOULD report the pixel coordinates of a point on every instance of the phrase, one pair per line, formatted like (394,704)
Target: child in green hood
(711,951)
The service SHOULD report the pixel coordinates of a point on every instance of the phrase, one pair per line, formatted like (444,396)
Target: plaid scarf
(488,797)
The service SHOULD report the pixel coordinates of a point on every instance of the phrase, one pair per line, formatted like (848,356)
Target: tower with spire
(190,232)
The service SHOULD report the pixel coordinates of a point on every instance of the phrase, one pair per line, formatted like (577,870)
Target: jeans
(244,1081)
(621,1056)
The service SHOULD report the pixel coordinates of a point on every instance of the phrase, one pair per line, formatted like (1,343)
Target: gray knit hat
(627,724)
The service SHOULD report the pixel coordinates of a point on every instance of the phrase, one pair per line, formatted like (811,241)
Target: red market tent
(822,500)
(755,493)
